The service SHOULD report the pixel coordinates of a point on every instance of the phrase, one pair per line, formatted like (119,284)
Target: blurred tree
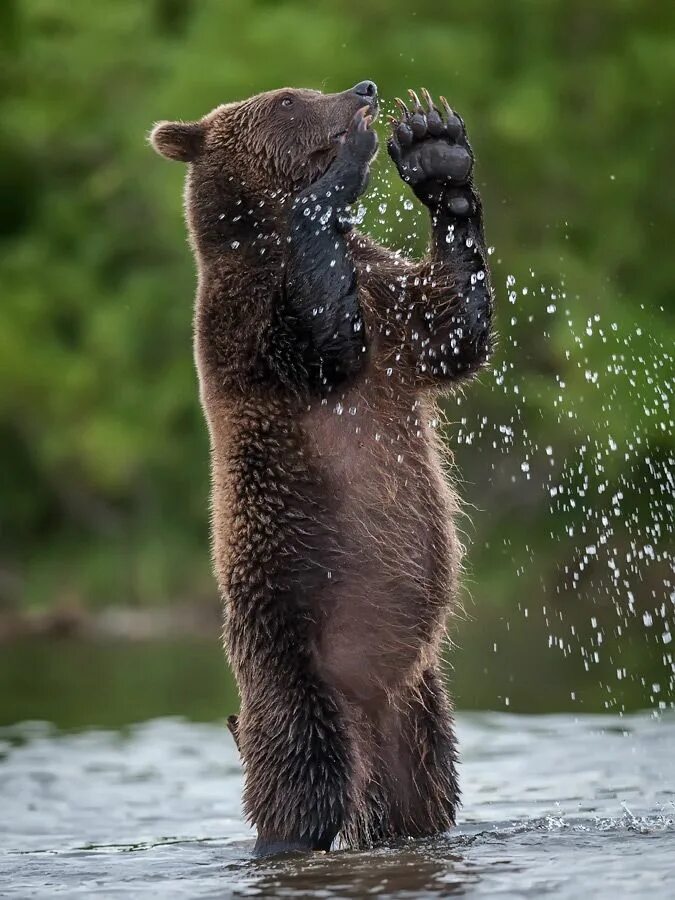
(105,463)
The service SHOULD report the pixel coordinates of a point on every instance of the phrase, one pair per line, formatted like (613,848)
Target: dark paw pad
(432,152)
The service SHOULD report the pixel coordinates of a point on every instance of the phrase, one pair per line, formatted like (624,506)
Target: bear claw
(435,123)
(362,119)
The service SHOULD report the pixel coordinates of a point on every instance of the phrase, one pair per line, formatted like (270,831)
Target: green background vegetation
(104,478)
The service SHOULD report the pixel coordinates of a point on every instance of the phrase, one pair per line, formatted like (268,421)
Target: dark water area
(119,778)
(542,662)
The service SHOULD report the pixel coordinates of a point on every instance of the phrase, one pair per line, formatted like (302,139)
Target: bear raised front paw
(351,168)
(432,153)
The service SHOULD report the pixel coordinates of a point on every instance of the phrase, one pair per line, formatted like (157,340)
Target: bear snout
(367,89)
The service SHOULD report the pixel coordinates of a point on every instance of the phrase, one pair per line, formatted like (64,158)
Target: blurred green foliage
(104,476)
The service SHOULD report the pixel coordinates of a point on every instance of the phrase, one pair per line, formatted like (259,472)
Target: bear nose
(365,89)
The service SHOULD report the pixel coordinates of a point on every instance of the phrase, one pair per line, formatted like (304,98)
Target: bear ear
(182,141)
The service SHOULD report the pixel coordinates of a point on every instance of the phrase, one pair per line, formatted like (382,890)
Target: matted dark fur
(320,356)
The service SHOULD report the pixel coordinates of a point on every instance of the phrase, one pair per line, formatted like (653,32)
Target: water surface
(563,805)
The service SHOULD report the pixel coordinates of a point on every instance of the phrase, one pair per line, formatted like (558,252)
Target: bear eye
(287,101)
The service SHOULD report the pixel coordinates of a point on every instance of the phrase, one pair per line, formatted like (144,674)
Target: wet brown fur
(332,522)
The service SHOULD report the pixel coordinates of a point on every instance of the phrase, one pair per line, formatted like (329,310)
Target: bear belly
(383,611)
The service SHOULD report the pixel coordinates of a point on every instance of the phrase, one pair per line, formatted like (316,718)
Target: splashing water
(595,498)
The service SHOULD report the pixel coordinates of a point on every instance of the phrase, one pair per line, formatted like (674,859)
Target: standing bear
(321,356)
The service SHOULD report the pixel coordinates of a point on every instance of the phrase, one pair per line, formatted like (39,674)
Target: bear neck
(227,217)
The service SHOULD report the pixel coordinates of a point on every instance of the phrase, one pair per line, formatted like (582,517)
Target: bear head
(273,143)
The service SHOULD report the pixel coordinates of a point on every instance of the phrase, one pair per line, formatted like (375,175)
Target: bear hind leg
(415,792)
(301,783)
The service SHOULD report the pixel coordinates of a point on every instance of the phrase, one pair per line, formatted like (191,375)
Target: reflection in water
(411,871)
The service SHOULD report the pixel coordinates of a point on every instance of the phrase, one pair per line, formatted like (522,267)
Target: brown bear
(321,356)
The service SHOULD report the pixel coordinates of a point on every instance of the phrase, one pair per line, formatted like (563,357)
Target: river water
(566,805)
